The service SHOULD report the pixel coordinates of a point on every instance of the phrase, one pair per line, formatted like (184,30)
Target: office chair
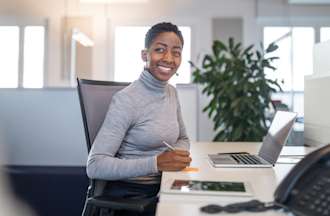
(95,97)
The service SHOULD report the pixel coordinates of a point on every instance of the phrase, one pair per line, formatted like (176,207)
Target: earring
(177,74)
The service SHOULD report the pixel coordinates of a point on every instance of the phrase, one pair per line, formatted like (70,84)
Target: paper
(190,169)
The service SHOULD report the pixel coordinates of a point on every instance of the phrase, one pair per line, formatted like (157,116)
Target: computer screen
(277,135)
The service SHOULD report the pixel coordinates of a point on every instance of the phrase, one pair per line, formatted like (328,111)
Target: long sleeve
(140,118)
(183,140)
(102,161)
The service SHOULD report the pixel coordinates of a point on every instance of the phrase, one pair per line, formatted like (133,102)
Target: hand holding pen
(169,146)
(173,160)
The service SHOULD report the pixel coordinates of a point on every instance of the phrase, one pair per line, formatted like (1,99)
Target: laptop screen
(277,135)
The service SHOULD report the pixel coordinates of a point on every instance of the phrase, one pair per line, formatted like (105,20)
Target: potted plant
(234,79)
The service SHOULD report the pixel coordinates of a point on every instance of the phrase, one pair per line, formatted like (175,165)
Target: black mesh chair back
(95,98)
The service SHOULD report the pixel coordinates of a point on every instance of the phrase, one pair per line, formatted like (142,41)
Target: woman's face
(163,57)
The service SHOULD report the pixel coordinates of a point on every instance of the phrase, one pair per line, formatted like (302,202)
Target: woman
(129,149)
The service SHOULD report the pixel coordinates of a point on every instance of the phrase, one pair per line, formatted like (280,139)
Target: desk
(263,180)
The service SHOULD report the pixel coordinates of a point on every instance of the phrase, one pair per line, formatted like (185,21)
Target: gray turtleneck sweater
(139,118)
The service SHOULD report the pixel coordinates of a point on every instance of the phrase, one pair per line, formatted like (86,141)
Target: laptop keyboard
(246,159)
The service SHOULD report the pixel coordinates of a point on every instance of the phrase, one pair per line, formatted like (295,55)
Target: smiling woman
(128,149)
(127,52)
(163,55)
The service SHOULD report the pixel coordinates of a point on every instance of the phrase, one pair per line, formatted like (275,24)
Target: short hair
(159,28)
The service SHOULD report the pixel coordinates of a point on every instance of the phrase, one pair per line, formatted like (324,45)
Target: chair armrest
(138,205)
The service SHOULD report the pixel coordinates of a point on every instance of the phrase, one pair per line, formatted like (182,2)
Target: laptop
(270,150)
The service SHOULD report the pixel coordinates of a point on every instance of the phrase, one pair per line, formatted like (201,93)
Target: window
(295,47)
(22,51)
(128,62)
(296,60)
(324,34)
(9,52)
(33,57)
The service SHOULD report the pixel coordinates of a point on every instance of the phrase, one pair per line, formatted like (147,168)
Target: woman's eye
(159,49)
(177,53)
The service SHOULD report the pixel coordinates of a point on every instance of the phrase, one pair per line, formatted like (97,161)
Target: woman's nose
(168,57)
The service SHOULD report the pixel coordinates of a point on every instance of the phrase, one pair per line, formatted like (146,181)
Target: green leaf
(247,50)
(272,58)
(218,47)
(207,62)
(271,67)
(237,133)
(235,102)
(271,48)
(221,136)
(238,47)
(258,55)
(231,43)
(191,64)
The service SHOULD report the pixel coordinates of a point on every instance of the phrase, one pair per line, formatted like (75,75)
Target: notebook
(270,150)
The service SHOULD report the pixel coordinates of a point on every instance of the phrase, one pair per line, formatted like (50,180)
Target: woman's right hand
(173,160)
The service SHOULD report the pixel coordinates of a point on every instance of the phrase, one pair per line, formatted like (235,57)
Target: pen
(168,145)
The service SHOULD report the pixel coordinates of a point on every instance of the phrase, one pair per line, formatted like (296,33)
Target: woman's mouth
(165,69)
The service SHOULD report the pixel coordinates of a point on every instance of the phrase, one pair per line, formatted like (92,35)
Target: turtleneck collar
(151,82)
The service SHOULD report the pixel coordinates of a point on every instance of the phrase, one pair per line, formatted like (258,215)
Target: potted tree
(240,93)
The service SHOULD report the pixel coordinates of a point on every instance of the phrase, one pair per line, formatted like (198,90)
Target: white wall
(317,103)
(42,127)
(188,97)
(196,13)
(317,106)
(321,63)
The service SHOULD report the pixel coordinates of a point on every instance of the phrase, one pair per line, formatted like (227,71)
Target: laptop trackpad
(222,159)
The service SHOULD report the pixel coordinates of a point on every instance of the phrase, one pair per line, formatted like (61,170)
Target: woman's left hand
(173,160)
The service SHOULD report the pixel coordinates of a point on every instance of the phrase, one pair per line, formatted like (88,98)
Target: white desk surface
(263,180)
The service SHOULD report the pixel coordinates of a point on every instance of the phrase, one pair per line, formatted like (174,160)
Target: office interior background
(45,44)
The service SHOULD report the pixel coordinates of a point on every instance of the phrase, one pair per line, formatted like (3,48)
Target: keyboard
(246,159)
